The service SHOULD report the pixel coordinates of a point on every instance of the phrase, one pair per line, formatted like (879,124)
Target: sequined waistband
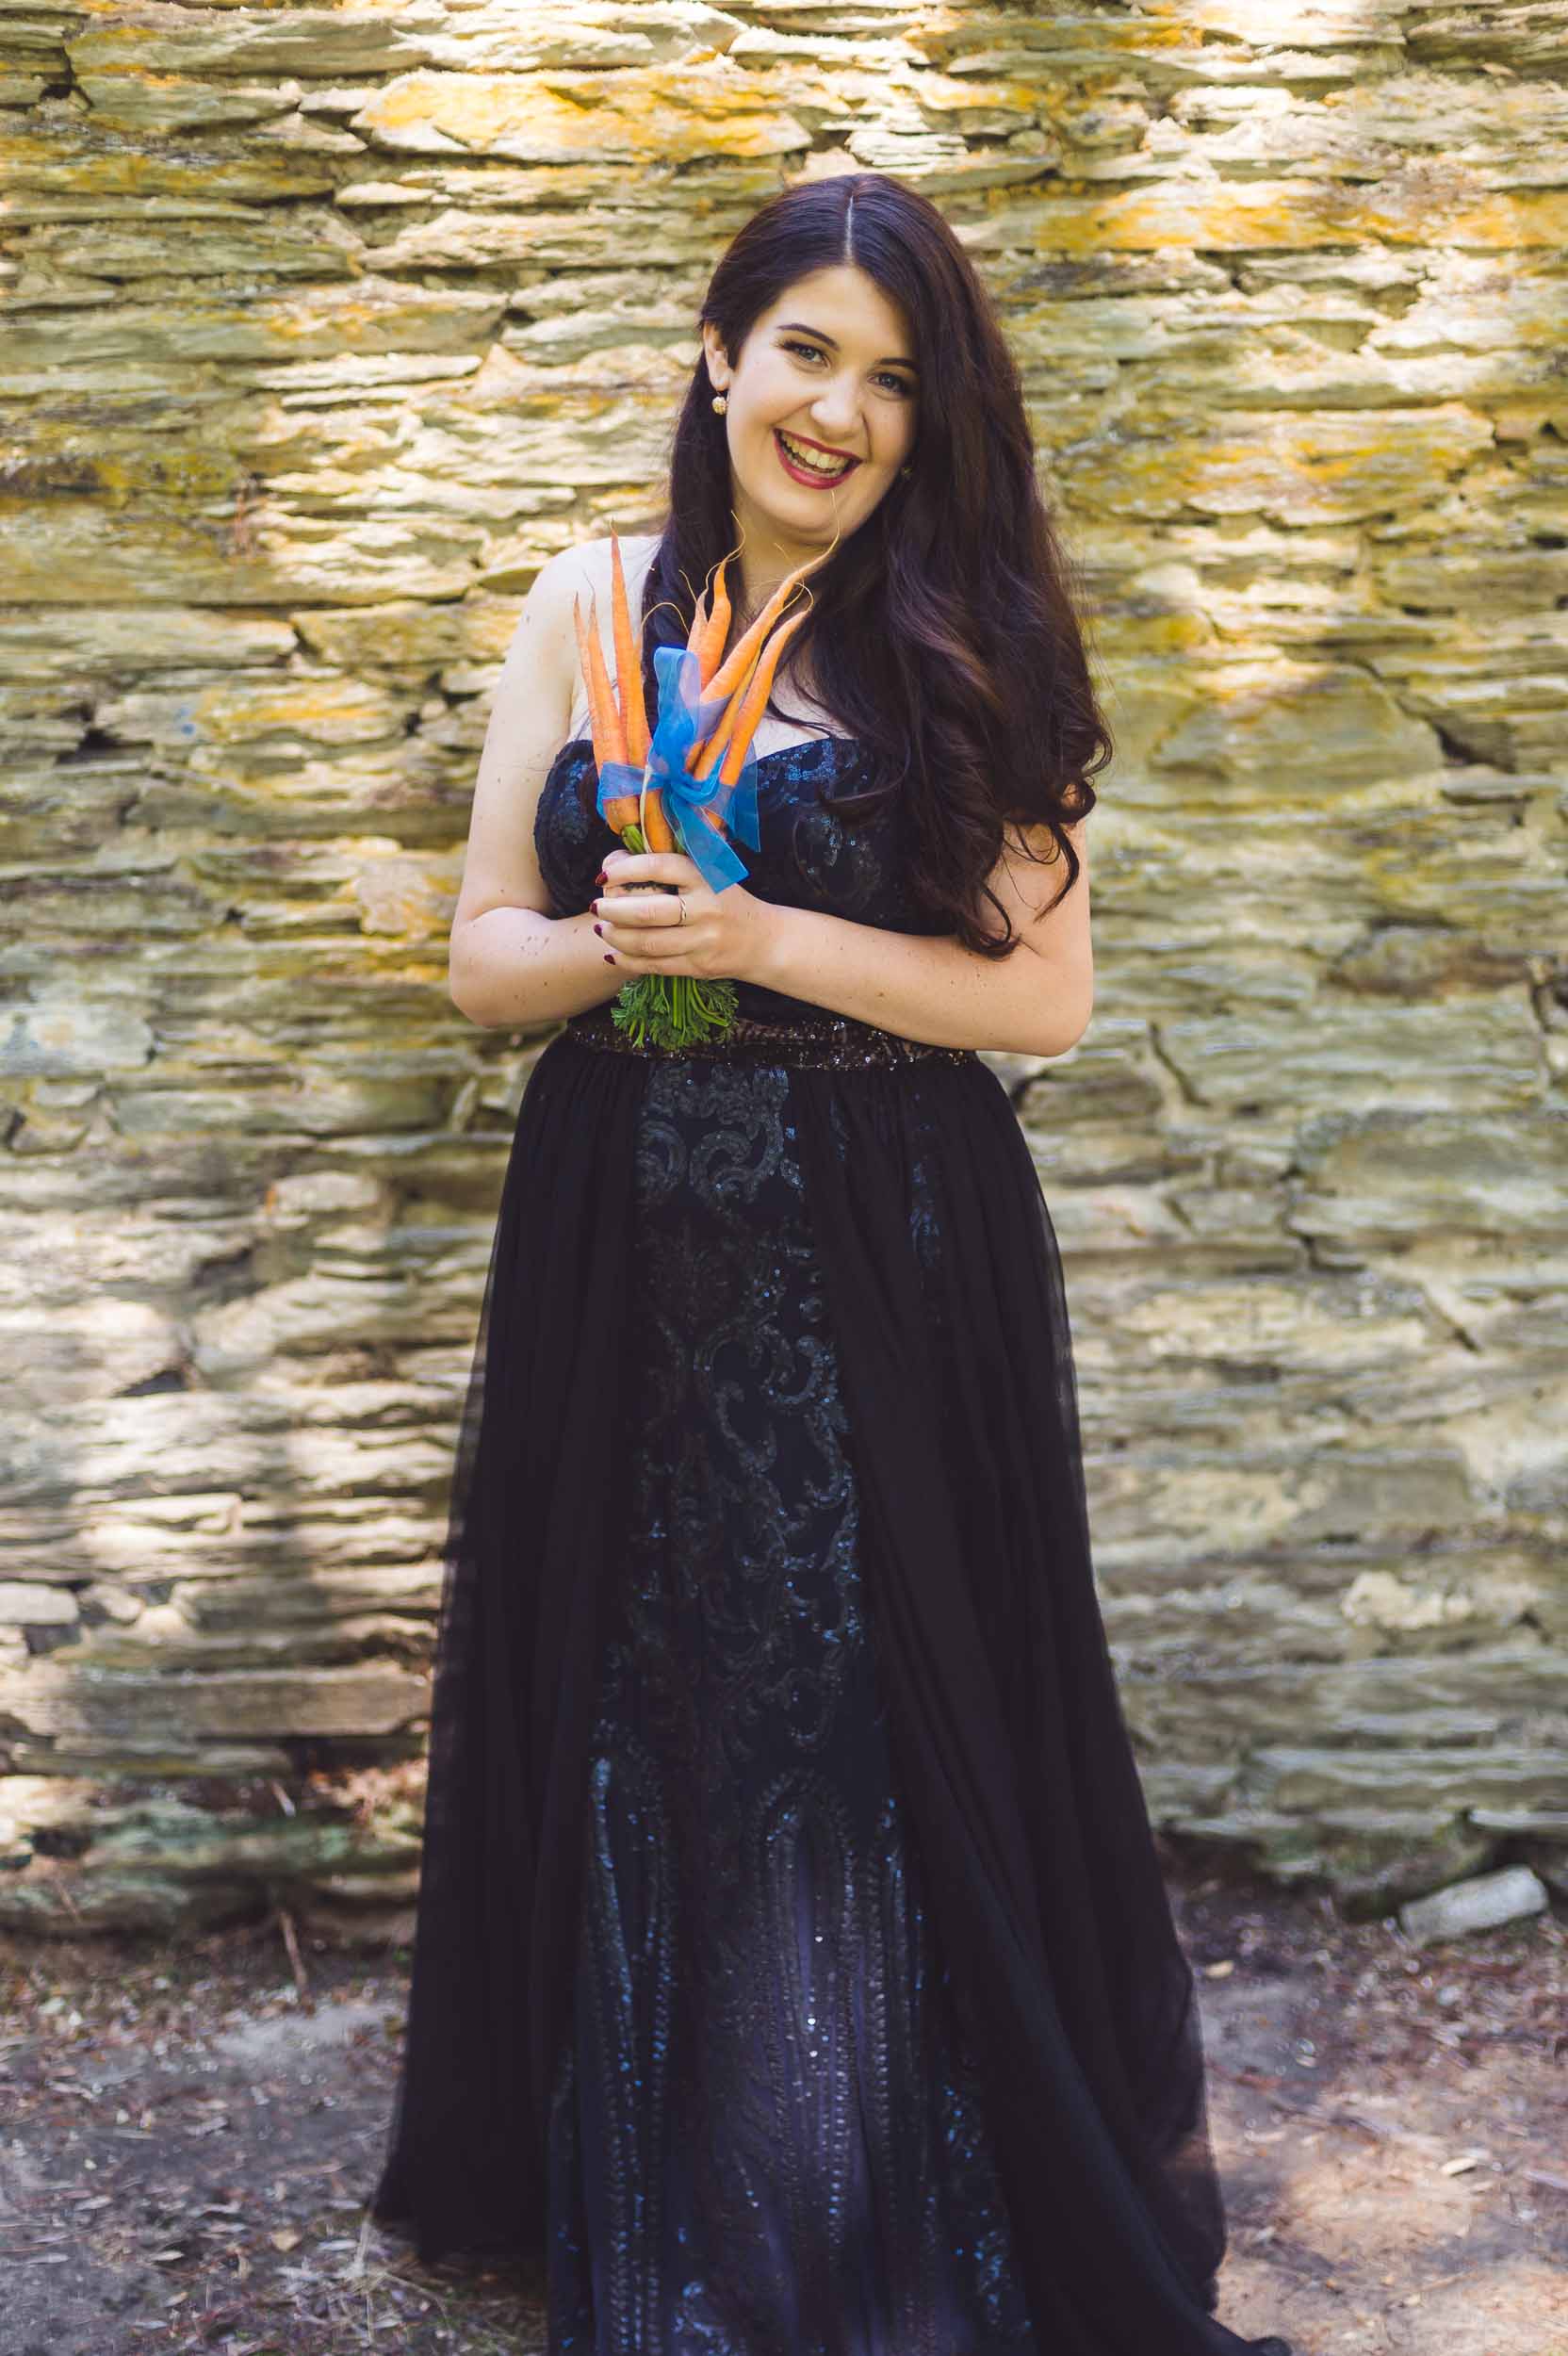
(836,1041)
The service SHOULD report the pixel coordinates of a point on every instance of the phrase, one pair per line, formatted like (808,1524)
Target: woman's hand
(724,935)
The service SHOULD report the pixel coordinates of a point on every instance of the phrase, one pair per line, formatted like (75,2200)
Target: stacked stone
(323,327)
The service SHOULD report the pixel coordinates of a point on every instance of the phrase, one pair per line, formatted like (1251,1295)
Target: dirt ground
(190,2137)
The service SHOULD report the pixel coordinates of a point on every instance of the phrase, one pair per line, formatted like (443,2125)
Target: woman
(793,1971)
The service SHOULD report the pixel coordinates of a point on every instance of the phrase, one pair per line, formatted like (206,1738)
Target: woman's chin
(812,516)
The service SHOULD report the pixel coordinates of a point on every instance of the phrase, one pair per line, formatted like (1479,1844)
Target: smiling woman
(794,1968)
(870,408)
(831,405)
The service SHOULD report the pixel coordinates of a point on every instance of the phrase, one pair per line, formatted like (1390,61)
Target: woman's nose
(837,418)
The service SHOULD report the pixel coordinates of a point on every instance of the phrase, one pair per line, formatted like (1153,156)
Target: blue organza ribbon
(686,718)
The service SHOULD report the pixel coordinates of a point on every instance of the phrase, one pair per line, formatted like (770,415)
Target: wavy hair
(943,632)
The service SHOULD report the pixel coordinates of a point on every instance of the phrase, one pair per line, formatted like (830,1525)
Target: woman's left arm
(1035,1002)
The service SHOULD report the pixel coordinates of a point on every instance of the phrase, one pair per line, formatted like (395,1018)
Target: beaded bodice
(809,856)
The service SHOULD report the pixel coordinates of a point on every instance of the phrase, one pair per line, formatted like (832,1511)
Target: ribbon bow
(687,718)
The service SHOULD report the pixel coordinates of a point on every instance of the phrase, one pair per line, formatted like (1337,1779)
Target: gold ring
(681,905)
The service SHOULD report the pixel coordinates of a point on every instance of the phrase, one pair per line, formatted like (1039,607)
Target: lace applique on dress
(767,2135)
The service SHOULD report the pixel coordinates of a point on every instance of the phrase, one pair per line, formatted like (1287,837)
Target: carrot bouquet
(691,781)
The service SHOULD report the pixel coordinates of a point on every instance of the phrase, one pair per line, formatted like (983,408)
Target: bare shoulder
(1033,836)
(586,566)
(541,659)
(583,573)
(579,573)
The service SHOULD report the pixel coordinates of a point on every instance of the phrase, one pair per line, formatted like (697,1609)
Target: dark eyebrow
(890,359)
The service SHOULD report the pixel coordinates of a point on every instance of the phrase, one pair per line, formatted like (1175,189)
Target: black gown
(793,1975)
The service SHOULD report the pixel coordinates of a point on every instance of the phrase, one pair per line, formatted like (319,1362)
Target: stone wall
(323,327)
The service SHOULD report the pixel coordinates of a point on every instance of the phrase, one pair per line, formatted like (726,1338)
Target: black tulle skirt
(793,1970)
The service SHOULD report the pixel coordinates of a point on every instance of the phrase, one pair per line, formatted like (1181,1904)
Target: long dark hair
(943,632)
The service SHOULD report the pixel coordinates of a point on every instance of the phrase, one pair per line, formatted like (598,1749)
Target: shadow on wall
(229,1441)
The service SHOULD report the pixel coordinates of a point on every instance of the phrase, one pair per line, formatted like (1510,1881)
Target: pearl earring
(720,403)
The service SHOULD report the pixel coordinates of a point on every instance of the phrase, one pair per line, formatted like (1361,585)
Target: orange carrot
(699,622)
(715,629)
(743,653)
(609,735)
(707,756)
(756,697)
(595,724)
(629,664)
(703,756)
(604,720)
(614,725)
(706,614)
(658,833)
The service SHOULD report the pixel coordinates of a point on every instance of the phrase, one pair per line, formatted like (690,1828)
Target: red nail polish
(608,958)
(599,930)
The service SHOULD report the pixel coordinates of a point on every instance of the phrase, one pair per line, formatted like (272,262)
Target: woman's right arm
(512,966)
